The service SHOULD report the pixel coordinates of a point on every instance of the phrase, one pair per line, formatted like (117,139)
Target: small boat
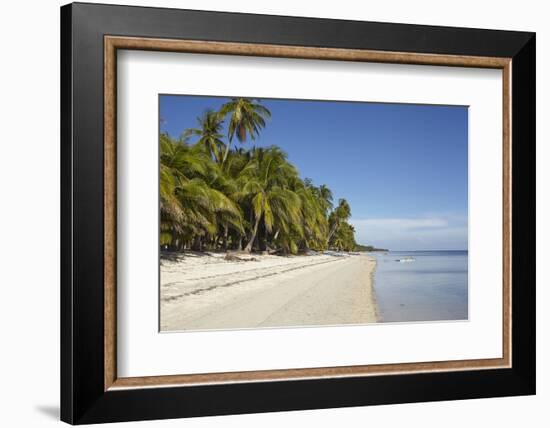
(406,259)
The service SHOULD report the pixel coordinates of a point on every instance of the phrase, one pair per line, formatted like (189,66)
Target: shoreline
(204,291)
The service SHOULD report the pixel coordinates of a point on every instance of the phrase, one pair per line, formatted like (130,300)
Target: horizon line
(439,249)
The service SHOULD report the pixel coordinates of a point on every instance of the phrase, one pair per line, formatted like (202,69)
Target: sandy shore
(208,292)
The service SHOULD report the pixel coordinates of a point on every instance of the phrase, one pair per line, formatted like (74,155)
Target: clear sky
(402,167)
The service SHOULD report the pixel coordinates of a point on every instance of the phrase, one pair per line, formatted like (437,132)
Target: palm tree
(340,214)
(263,185)
(177,163)
(344,238)
(247,117)
(190,205)
(325,195)
(222,180)
(314,221)
(209,133)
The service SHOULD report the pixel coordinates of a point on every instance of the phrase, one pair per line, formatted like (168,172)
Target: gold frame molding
(113,43)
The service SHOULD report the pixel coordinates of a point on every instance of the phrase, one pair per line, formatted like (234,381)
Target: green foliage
(209,134)
(246,117)
(251,198)
(342,234)
(359,247)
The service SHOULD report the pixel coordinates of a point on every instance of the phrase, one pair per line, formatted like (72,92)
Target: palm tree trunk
(197,244)
(226,152)
(240,242)
(253,237)
(332,230)
(173,241)
(225,233)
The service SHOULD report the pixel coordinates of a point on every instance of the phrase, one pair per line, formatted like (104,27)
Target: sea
(431,286)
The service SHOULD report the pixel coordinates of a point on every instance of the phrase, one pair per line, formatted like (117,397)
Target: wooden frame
(112,43)
(517,72)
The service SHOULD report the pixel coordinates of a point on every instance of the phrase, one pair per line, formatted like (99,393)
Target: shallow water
(433,287)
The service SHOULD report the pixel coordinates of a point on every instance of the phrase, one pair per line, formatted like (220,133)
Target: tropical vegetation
(214,196)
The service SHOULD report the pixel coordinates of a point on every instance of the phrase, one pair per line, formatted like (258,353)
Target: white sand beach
(206,291)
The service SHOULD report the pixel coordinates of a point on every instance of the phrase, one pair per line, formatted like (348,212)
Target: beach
(206,291)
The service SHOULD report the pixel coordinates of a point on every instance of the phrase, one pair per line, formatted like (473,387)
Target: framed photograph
(267,213)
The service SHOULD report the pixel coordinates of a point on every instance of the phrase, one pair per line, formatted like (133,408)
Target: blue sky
(402,167)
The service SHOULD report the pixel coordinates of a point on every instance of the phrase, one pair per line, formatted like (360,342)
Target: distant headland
(359,247)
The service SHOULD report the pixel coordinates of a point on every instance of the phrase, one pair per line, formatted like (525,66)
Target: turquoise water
(433,287)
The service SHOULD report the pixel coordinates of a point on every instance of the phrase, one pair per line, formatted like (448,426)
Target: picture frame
(91,391)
